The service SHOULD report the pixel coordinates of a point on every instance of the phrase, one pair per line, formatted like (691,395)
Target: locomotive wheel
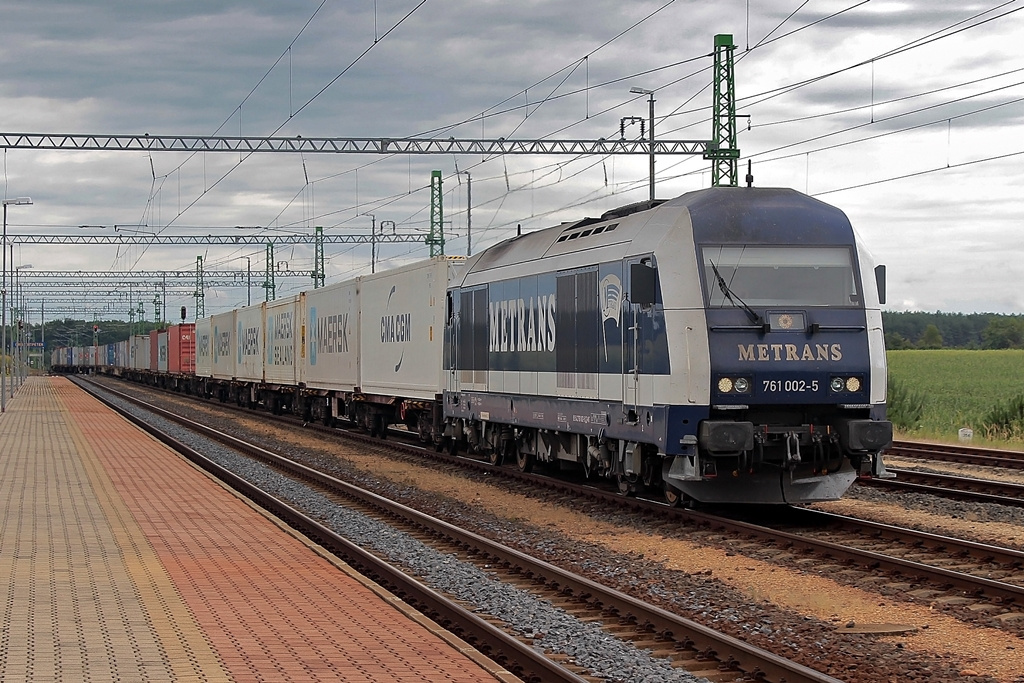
(524,461)
(494,456)
(673,496)
(625,486)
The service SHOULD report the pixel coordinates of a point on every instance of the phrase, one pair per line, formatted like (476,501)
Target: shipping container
(249,343)
(181,348)
(123,356)
(402,329)
(140,351)
(224,352)
(61,356)
(283,325)
(161,346)
(204,347)
(154,350)
(329,355)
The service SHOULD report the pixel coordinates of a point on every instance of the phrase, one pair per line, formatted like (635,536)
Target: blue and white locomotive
(725,346)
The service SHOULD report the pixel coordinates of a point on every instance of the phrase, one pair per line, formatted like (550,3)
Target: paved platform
(120,561)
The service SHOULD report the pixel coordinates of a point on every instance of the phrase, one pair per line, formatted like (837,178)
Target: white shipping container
(140,351)
(402,329)
(224,352)
(249,343)
(161,347)
(330,353)
(281,340)
(204,347)
(123,354)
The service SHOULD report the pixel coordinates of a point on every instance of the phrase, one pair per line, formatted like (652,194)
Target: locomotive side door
(466,339)
(636,323)
(451,341)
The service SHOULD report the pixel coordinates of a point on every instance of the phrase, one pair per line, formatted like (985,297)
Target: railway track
(967,455)
(951,486)
(959,571)
(692,646)
(971,579)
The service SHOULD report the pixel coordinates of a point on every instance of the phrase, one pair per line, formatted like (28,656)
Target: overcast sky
(906,115)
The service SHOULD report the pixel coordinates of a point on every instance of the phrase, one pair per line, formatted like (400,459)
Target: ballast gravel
(552,629)
(476,501)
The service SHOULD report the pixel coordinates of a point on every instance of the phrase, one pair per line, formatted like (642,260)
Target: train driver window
(643,289)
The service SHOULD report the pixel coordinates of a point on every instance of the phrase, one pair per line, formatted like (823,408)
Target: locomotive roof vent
(628,209)
(574,234)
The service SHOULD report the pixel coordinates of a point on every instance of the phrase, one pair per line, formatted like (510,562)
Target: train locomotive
(724,346)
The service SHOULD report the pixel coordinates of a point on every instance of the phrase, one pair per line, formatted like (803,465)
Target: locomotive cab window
(789,276)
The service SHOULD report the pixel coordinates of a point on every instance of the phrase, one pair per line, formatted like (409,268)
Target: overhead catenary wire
(359,57)
(560,165)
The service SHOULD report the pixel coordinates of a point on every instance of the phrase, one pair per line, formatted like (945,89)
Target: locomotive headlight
(853,384)
(837,384)
(725,385)
(742,385)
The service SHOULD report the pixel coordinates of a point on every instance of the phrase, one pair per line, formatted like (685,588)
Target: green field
(959,388)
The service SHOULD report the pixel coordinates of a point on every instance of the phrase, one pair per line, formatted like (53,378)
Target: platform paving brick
(120,561)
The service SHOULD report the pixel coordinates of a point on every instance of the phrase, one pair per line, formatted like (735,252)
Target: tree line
(77,332)
(918,330)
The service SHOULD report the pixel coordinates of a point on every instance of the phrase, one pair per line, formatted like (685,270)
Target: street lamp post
(650,130)
(20,201)
(19,323)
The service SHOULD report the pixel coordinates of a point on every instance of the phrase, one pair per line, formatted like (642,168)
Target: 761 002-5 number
(790,386)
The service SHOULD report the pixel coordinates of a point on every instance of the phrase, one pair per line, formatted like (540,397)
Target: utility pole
(200,290)
(269,285)
(435,238)
(469,211)
(723,150)
(318,258)
(248,280)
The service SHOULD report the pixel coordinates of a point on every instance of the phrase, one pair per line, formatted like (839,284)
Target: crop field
(958,389)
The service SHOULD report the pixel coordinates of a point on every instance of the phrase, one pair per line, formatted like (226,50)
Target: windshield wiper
(733,297)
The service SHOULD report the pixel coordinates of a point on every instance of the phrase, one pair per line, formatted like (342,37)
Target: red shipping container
(181,348)
(154,351)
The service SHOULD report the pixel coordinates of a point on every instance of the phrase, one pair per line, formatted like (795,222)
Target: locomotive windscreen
(785,276)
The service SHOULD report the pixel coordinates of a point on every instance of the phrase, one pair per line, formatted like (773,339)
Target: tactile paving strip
(123,562)
(87,598)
